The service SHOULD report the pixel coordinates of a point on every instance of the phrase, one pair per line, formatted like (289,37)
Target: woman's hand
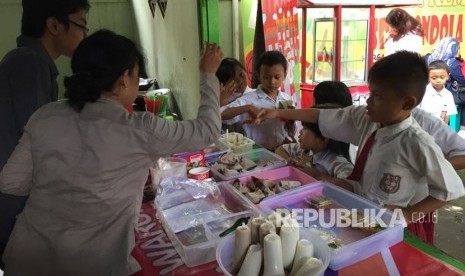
(226,91)
(266,113)
(210,58)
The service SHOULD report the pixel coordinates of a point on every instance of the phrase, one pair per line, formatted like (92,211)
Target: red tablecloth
(157,256)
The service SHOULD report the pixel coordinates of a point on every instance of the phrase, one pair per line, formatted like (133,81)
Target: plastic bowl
(224,251)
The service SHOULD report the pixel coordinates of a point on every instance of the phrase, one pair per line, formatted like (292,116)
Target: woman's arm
(456,72)
(16,175)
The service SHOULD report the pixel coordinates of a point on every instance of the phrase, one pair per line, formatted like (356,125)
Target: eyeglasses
(84,28)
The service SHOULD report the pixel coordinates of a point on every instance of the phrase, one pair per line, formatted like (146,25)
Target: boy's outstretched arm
(309,115)
(232,112)
(283,153)
(458,162)
(419,210)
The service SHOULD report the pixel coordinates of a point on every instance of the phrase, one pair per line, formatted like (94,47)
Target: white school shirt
(268,134)
(326,162)
(435,102)
(447,139)
(409,42)
(85,174)
(404,164)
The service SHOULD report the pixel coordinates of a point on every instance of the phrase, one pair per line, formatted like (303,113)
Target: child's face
(438,78)
(309,141)
(271,78)
(385,106)
(240,79)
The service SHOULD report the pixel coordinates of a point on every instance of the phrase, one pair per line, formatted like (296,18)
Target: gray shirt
(84,174)
(27,81)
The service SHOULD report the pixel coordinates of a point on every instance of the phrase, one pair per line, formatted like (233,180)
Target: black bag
(458,92)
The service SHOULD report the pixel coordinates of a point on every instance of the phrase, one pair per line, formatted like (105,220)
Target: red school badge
(390,183)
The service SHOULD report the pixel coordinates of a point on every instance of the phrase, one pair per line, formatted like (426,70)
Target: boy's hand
(266,113)
(210,58)
(253,112)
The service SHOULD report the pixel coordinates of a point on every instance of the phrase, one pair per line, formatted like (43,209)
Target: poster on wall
(280,24)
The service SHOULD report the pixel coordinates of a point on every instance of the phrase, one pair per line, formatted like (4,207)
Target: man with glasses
(49,29)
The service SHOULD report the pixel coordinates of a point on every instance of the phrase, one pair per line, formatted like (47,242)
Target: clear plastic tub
(356,243)
(237,142)
(258,156)
(283,173)
(216,149)
(193,225)
(224,252)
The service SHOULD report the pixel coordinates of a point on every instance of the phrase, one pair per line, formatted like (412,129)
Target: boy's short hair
(36,12)
(438,65)
(272,58)
(403,72)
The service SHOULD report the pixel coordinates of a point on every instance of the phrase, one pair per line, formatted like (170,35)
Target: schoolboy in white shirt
(438,101)
(272,68)
(404,167)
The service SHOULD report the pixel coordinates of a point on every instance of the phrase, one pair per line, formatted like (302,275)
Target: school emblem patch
(390,183)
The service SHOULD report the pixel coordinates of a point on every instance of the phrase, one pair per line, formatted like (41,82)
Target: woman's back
(84,163)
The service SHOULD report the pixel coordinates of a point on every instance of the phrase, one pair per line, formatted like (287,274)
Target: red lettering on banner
(148,227)
(435,28)
(165,260)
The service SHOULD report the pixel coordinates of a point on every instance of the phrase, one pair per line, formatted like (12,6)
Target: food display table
(157,256)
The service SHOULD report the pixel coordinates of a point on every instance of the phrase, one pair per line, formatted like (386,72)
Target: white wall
(174,50)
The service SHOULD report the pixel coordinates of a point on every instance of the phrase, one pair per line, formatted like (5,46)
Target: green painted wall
(115,15)
(225,18)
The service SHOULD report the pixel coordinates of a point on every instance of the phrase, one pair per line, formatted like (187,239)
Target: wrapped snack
(242,240)
(320,202)
(311,267)
(256,196)
(284,185)
(252,262)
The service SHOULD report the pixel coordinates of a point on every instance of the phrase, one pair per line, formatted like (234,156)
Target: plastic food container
(283,173)
(258,156)
(237,142)
(224,252)
(216,149)
(356,243)
(193,225)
